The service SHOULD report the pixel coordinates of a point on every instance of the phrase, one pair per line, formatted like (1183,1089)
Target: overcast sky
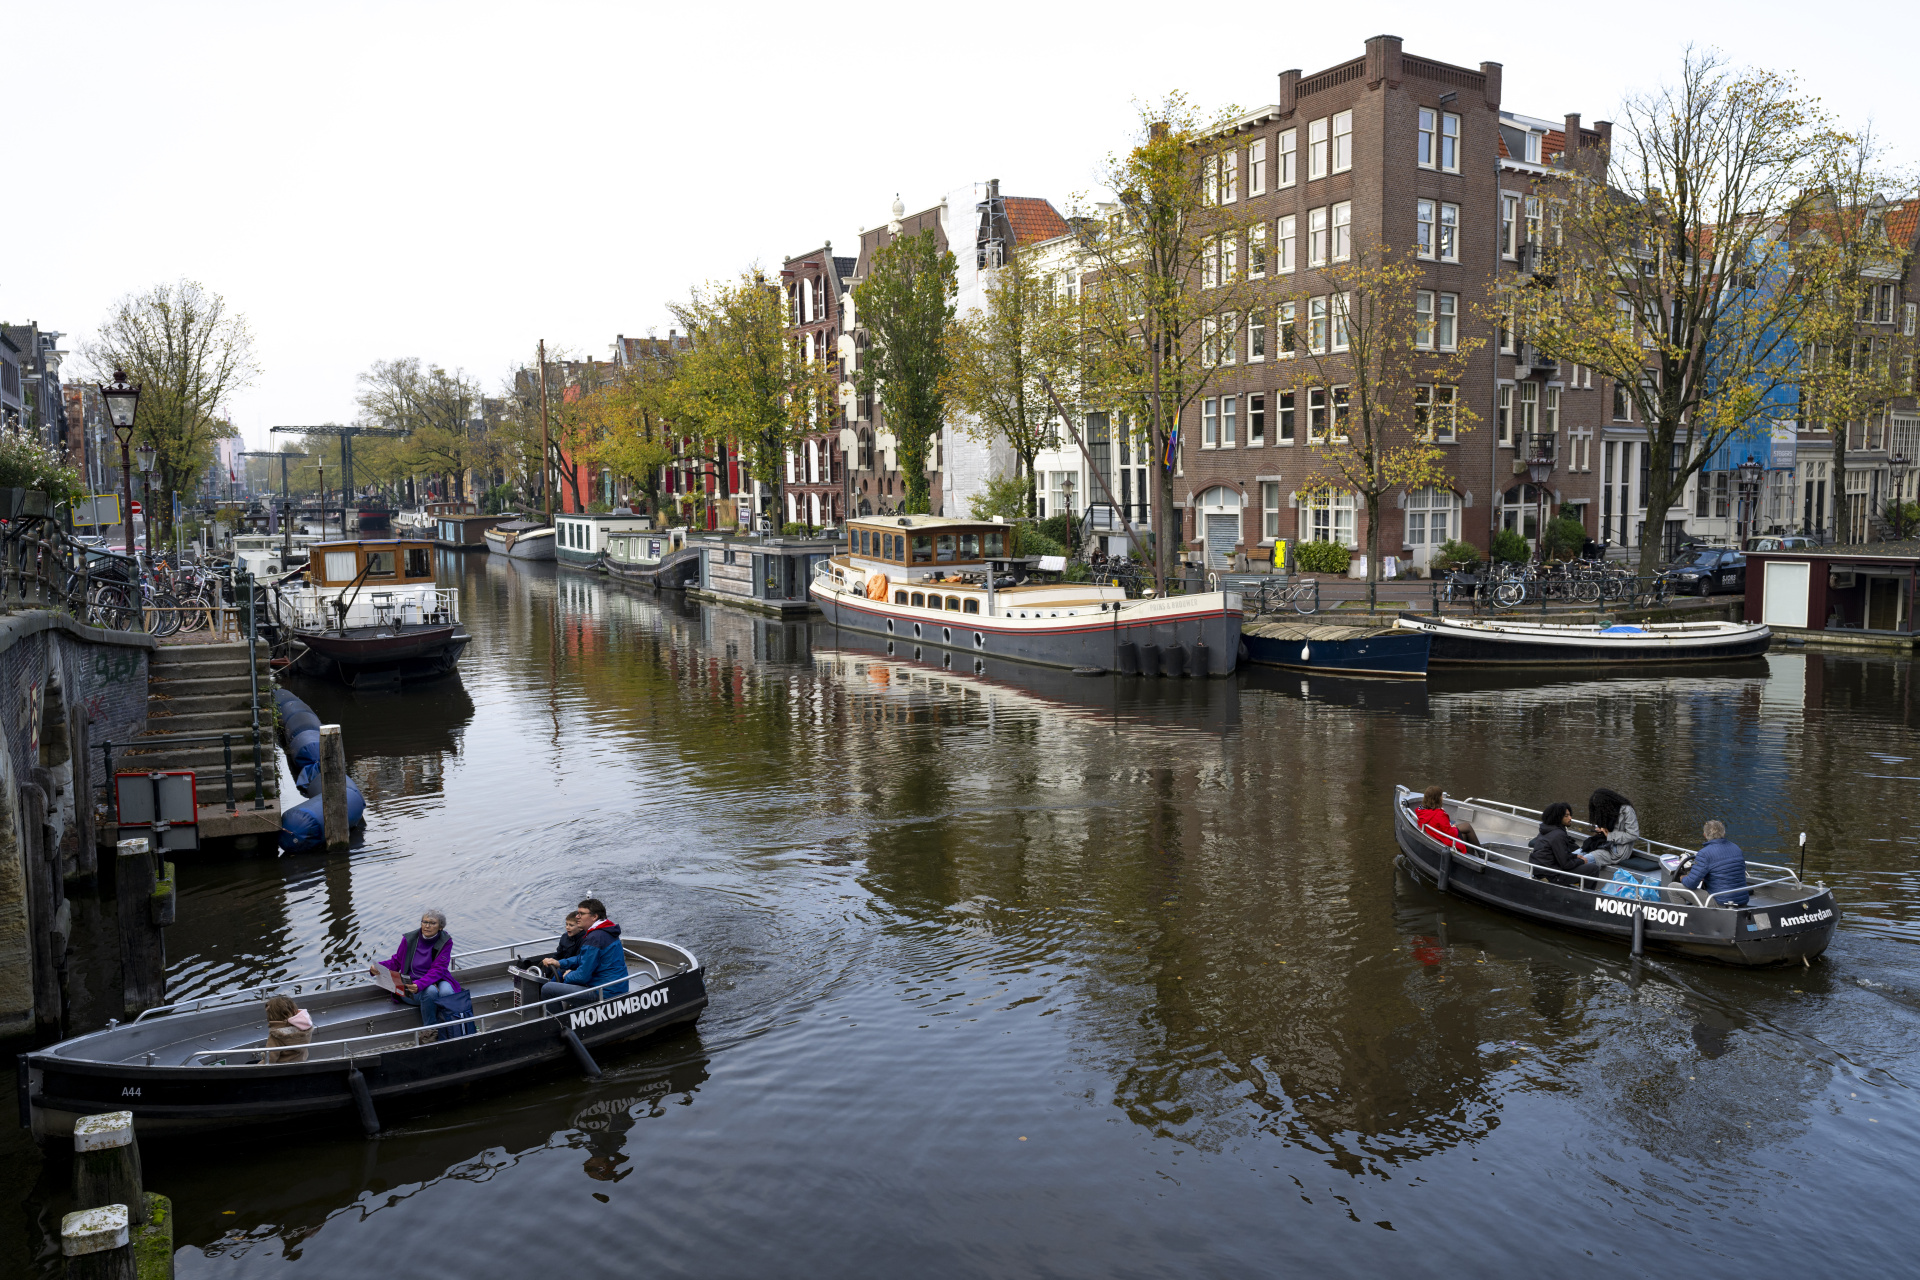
(454,181)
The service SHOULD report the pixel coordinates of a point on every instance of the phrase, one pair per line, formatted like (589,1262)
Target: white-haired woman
(423,963)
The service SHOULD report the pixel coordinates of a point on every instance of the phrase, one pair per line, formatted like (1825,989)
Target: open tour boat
(1783,920)
(955,584)
(200,1064)
(1499,643)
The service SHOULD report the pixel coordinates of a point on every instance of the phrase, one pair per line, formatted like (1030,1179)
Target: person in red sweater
(1432,818)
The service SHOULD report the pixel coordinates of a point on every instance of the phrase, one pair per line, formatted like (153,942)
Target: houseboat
(580,537)
(653,557)
(369,614)
(459,526)
(521,540)
(955,584)
(268,555)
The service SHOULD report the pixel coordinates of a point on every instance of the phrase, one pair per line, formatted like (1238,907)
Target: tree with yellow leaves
(1376,372)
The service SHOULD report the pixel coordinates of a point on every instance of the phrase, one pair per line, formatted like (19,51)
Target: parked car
(1705,570)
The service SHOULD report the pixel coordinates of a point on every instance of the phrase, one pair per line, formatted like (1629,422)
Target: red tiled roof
(1504,153)
(1554,142)
(1902,220)
(1033,218)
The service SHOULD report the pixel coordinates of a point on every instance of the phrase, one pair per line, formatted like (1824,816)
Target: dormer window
(1533,147)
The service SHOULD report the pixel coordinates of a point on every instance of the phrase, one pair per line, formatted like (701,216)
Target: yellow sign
(95,510)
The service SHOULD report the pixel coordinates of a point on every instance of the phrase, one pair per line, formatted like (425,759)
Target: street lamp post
(123,400)
(147,454)
(1897,473)
(1539,470)
(1748,476)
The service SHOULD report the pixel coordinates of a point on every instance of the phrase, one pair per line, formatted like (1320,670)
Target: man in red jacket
(1432,818)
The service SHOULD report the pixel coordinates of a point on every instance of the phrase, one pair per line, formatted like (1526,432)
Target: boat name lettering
(1812,917)
(607,1010)
(1626,907)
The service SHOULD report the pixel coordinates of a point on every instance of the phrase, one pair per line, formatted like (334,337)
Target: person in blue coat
(601,959)
(1719,867)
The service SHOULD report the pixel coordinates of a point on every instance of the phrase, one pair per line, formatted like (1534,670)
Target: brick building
(816,487)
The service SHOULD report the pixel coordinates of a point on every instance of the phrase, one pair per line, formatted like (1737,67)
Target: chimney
(1573,134)
(1491,70)
(1605,129)
(1289,91)
(1383,60)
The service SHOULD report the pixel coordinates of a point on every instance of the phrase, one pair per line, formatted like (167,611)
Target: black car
(1705,570)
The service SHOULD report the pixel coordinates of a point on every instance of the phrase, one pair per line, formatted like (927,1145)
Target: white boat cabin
(644,546)
(936,562)
(385,582)
(580,536)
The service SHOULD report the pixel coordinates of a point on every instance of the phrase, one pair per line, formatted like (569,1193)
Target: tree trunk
(1660,486)
(1373,548)
(1163,491)
(1841,529)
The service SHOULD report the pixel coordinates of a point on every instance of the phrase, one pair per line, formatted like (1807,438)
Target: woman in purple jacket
(423,962)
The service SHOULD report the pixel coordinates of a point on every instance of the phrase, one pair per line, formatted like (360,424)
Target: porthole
(916,631)
(979,641)
(946,634)
(889,626)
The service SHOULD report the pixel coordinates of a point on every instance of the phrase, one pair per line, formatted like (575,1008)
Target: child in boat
(1432,818)
(287,1024)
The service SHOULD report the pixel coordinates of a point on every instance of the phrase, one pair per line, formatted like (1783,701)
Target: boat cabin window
(899,597)
(972,606)
(996,543)
(969,546)
(943,548)
(418,565)
(920,600)
(340,566)
(923,548)
(953,603)
(379,564)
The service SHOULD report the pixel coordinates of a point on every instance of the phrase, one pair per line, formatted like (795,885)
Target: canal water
(1023,974)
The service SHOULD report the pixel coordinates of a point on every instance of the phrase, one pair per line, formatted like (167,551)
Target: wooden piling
(333,787)
(106,1164)
(97,1245)
(143,950)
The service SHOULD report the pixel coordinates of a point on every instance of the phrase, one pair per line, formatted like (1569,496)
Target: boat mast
(546,441)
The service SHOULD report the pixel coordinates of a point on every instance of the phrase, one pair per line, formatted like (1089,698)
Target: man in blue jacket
(601,958)
(1720,867)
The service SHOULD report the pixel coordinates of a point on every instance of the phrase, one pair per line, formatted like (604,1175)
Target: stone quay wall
(64,688)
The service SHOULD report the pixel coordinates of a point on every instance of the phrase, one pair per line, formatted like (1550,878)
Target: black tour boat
(1784,919)
(199,1064)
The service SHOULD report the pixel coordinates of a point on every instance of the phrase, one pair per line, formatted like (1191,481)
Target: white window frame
(1257,167)
(1285,238)
(1230,176)
(1285,334)
(1449,232)
(1210,423)
(1509,226)
(1269,512)
(1449,142)
(1427,138)
(1317,325)
(1332,517)
(1426,219)
(1285,424)
(1343,140)
(1286,157)
(1526,421)
(1340,312)
(1229,346)
(1210,179)
(1229,421)
(1503,416)
(1256,336)
(1423,319)
(1317,148)
(1342,234)
(1256,420)
(1534,143)
(1317,236)
(1437,405)
(1316,415)
(1339,409)
(1209,341)
(1257,251)
(1446,322)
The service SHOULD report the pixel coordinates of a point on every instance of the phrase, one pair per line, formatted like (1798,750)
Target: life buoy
(877,586)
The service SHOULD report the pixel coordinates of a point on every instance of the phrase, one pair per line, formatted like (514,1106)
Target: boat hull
(179,1100)
(365,657)
(675,571)
(1394,654)
(1461,644)
(1092,644)
(1710,933)
(520,548)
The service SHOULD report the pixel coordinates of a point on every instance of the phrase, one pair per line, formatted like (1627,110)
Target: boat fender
(297,721)
(1149,659)
(1174,659)
(303,827)
(1639,932)
(1126,658)
(363,1101)
(1446,866)
(303,749)
(580,1054)
(877,586)
(1240,654)
(1198,660)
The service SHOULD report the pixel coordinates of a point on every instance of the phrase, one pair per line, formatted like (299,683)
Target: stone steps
(205,689)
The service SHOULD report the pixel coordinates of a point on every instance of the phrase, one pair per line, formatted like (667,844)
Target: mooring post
(97,1245)
(106,1164)
(143,948)
(333,787)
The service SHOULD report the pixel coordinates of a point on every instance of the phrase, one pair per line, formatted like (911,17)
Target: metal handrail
(516,1012)
(1518,810)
